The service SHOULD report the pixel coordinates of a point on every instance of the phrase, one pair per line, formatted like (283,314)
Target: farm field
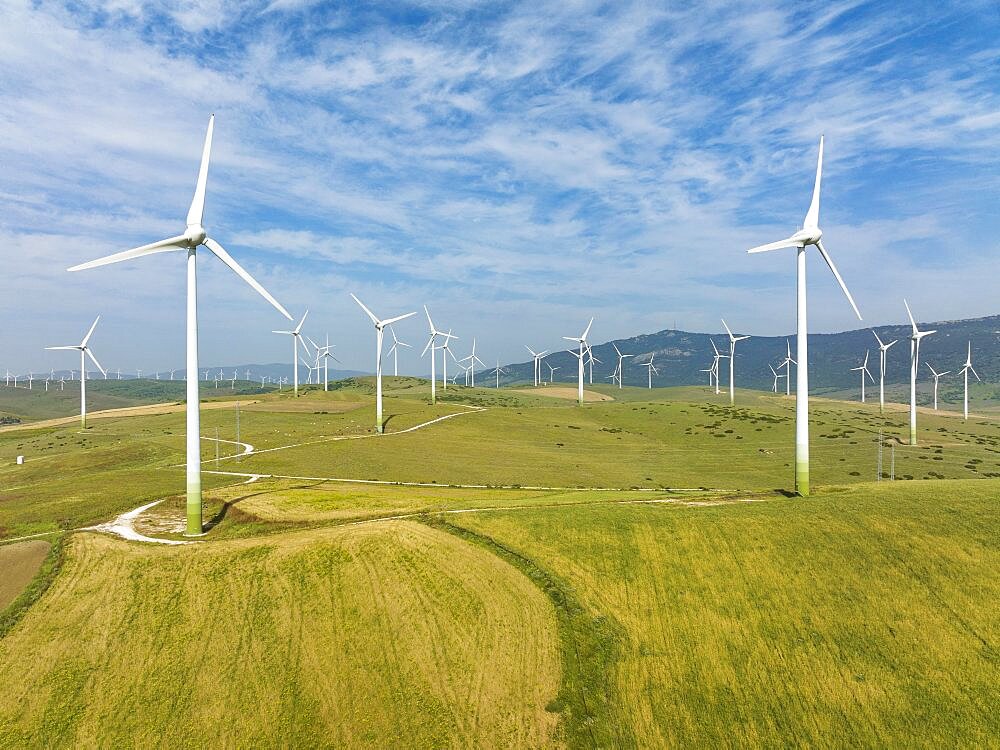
(506,570)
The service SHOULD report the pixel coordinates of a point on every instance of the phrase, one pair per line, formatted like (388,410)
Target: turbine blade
(587,329)
(90,332)
(53,348)
(367,311)
(301,323)
(399,318)
(226,258)
(161,246)
(975,373)
(912,322)
(727,328)
(429,342)
(197,210)
(94,360)
(812,217)
(836,273)
(789,242)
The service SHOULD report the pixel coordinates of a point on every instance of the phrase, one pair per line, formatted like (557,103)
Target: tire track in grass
(590,646)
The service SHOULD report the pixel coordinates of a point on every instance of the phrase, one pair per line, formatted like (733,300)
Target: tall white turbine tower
(590,363)
(915,336)
(582,341)
(937,376)
(394,351)
(882,349)
(194,237)
(85,352)
(732,359)
(537,359)
(432,348)
(296,334)
(620,369)
(379,329)
(864,371)
(715,364)
(650,369)
(498,370)
(810,234)
(966,369)
(471,369)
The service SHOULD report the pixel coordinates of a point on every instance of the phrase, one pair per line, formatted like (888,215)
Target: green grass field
(522,573)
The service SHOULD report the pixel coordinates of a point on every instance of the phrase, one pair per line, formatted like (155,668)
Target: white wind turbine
(787,363)
(445,353)
(810,234)
(432,348)
(552,372)
(774,387)
(864,371)
(620,369)
(497,371)
(715,364)
(650,369)
(582,341)
(966,369)
(326,353)
(379,331)
(937,376)
(84,353)
(471,369)
(915,337)
(590,363)
(394,351)
(732,358)
(882,349)
(194,237)
(537,360)
(296,334)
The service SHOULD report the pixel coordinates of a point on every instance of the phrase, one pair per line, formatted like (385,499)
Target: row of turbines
(196,236)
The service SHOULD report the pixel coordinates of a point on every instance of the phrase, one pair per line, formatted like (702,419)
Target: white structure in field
(379,329)
(732,359)
(882,349)
(584,347)
(194,236)
(915,336)
(85,352)
(966,369)
(937,376)
(296,334)
(810,234)
(864,371)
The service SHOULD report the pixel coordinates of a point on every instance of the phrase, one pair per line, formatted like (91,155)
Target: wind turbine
(864,371)
(882,349)
(915,337)
(620,369)
(582,341)
(497,371)
(649,372)
(472,359)
(394,351)
(810,234)
(194,237)
(431,341)
(84,353)
(552,372)
(715,364)
(966,368)
(590,362)
(326,352)
(379,330)
(787,363)
(774,387)
(732,358)
(445,353)
(937,376)
(296,334)
(537,359)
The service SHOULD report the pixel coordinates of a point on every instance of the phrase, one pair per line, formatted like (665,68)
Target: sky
(517,167)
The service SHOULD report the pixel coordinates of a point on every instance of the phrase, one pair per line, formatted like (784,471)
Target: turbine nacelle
(195,235)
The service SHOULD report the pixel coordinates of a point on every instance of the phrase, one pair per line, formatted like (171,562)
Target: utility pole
(238,451)
(878,475)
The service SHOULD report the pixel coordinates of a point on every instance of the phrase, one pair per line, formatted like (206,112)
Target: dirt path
(126,411)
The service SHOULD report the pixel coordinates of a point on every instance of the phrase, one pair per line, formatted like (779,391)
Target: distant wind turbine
(537,359)
(296,334)
(937,376)
(810,234)
(620,369)
(471,369)
(915,336)
(394,351)
(882,349)
(650,369)
(432,348)
(966,369)
(85,352)
(379,329)
(498,370)
(864,371)
(732,358)
(194,237)
(582,341)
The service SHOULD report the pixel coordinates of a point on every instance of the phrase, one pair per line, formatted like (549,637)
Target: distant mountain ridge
(680,355)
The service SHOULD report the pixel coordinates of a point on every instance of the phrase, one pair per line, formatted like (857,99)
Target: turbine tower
(650,369)
(915,337)
(715,364)
(394,351)
(620,369)
(582,341)
(432,348)
(85,352)
(296,334)
(537,359)
(882,349)
(379,329)
(864,371)
(194,237)
(732,358)
(498,370)
(937,376)
(966,369)
(810,234)
(774,386)
(472,359)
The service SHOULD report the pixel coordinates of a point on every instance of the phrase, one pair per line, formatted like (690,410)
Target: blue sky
(517,167)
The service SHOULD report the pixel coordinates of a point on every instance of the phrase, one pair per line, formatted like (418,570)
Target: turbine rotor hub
(195,234)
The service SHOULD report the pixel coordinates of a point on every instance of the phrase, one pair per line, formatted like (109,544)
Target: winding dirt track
(127,411)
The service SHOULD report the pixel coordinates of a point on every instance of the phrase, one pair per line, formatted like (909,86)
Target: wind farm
(532,517)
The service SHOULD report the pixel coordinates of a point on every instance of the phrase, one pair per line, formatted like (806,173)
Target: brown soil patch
(19,563)
(127,411)
(558,391)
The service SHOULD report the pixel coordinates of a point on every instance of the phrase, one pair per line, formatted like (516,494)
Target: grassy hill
(524,572)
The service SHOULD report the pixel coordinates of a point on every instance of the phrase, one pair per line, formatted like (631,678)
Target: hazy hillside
(679,355)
